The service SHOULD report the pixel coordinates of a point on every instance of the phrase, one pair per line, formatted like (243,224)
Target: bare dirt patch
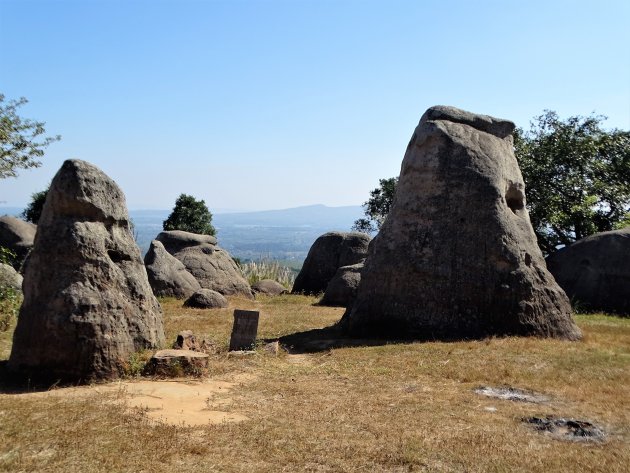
(567,429)
(173,402)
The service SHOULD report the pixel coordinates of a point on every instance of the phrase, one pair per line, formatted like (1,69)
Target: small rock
(174,363)
(10,277)
(269,287)
(206,299)
(186,340)
(272,348)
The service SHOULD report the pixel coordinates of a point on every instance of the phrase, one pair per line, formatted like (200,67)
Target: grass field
(388,407)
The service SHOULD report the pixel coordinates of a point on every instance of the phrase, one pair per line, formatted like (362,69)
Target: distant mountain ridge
(285,234)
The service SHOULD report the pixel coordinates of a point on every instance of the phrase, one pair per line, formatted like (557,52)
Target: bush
(10,302)
(33,210)
(190,215)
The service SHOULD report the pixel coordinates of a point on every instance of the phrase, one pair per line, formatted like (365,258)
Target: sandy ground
(177,402)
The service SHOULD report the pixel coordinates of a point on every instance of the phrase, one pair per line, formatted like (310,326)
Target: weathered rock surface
(168,276)
(206,299)
(269,287)
(187,340)
(10,277)
(87,301)
(174,363)
(17,235)
(211,266)
(595,271)
(342,288)
(457,255)
(329,252)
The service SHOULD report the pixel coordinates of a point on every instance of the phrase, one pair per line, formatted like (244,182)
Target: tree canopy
(21,140)
(377,206)
(33,210)
(577,177)
(190,215)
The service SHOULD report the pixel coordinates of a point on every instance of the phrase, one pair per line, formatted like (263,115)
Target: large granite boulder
(269,287)
(595,271)
(211,266)
(329,252)
(342,288)
(206,299)
(9,277)
(87,301)
(457,256)
(17,235)
(168,276)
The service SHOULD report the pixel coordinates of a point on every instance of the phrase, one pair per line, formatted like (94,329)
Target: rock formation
(206,299)
(18,236)
(168,276)
(10,277)
(211,266)
(342,288)
(329,252)
(595,271)
(269,287)
(87,301)
(457,256)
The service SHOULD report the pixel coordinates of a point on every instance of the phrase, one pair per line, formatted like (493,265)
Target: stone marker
(87,301)
(244,330)
(457,256)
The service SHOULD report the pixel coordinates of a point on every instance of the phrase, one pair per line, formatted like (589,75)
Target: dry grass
(394,407)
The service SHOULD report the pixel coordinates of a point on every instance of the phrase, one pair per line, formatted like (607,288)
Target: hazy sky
(274,104)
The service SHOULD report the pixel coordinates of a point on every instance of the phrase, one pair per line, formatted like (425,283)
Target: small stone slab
(245,329)
(173,363)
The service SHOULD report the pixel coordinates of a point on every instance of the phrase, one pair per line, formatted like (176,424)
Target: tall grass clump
(266,268)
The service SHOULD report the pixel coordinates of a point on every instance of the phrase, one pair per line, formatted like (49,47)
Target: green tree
(577,177)
(377,207)
(190,215)
(21,140)
(33,210)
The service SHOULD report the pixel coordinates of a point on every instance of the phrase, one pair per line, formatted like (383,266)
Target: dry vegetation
(393,407)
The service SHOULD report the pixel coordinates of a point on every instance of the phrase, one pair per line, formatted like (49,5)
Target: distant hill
(285,234)
(279,234)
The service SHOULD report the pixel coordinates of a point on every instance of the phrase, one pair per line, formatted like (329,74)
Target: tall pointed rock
(457,255)
(87,301)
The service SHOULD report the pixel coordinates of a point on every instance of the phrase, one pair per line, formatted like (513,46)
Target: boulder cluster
(455,258)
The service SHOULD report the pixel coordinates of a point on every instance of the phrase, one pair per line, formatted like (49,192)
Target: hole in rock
(567,429)
(514,198)
(118,256)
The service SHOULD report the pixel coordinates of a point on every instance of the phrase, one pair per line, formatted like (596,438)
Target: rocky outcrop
(9,277)
(268,287)
(211,266)
(18,236)
(87,301)
(457,256)
(329,252)
(168,276)
(342,288)
(595,271)
(206,299)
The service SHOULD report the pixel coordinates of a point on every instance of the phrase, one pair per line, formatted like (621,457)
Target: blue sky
(257,105)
